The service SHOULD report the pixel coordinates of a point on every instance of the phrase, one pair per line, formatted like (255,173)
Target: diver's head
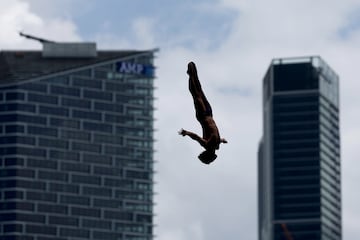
(207,156)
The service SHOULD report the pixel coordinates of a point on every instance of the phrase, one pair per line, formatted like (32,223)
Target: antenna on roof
(41,40)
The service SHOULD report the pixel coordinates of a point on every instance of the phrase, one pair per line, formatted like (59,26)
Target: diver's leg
(196,92)
(201,103)
(194,83)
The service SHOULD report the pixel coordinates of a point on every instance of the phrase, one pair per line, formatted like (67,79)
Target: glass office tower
(76,143)
(299,153)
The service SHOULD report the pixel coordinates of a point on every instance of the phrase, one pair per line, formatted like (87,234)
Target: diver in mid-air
(211,138)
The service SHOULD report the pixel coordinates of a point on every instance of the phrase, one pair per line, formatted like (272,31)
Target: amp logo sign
(135,69)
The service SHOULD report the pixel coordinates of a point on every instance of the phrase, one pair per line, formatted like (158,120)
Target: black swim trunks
(207,113)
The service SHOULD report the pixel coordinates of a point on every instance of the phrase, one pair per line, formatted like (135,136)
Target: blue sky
(352,25)
(172,20)
(232,42)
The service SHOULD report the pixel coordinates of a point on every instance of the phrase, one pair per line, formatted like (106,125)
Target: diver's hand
(223,140)
(182,132)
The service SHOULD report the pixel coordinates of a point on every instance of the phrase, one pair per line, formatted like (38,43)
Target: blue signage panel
(135,68)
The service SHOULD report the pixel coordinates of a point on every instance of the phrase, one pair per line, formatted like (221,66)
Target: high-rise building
(76,143)
(299,153)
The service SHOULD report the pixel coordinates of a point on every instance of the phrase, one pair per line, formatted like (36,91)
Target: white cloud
(13,18)
(143,29)
(261,31)
(140,36)
(16,16)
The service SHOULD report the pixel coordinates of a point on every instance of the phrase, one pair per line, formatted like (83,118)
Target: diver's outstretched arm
(193,136)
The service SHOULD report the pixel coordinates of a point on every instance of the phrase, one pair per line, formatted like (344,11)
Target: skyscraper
(76,143)
(299,153)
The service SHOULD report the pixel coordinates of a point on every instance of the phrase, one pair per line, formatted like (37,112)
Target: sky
(232,42)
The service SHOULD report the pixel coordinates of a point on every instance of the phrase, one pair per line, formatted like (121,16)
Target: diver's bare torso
(210,132)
